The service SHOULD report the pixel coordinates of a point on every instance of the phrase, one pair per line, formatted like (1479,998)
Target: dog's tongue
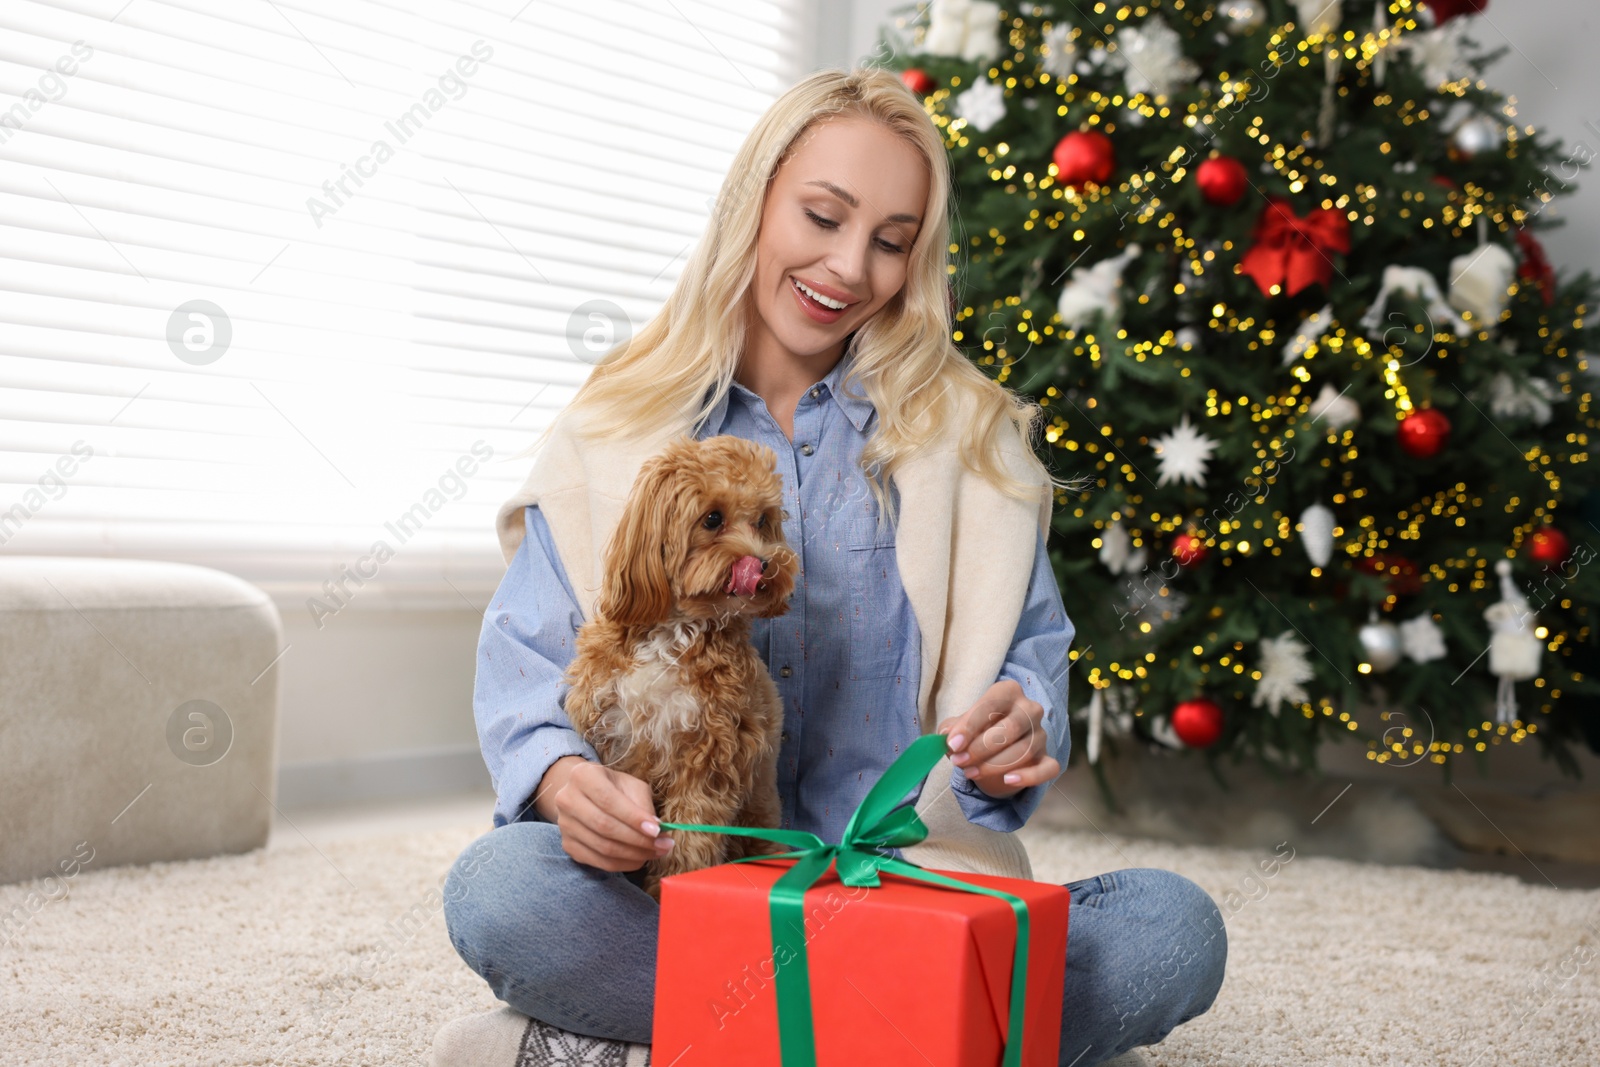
(746,573)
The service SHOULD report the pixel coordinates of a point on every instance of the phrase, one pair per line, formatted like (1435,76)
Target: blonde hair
(903,357)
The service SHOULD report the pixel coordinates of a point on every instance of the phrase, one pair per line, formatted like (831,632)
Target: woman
(815,318)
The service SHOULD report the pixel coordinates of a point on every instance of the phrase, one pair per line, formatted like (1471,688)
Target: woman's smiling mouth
(819,305)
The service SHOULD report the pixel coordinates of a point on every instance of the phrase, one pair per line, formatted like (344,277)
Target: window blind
(284,285)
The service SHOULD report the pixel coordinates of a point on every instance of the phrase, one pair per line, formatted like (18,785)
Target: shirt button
(785,671)
(815,393)
(806,449)
(784,736)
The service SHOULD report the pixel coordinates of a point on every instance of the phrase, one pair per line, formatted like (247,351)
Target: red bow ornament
(1536,266)
(1293,252)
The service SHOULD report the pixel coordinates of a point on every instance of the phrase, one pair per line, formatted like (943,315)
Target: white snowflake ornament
(1285,665)
(1422,640)
(1184,454)
(1438,53)
(1333,409)
(1149,609)
(1165,606)
(966,28)
(1060,53)
(981,106)
(1094,290)
(1092,59)
(1530,399)
(1152,58)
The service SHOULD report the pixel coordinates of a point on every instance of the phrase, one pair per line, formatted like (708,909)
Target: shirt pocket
(877,636)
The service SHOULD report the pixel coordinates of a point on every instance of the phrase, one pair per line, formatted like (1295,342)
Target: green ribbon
(881,821)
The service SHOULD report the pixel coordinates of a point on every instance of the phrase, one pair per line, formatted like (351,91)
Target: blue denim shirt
(846,656)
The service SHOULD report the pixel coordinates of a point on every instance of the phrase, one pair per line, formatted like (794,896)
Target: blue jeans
(575,946)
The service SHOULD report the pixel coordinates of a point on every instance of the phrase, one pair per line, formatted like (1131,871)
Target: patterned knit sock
(504,1037)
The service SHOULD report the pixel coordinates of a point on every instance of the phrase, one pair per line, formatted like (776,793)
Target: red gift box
(904,973)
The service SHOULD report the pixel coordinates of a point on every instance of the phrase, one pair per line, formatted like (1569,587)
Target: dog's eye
(713,520)
(761,523)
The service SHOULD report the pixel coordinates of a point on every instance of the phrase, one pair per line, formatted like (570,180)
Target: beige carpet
(336,953)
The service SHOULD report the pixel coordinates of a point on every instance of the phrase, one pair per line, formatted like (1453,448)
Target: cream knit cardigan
(965,553)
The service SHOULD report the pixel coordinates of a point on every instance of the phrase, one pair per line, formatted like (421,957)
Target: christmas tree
(1270,268)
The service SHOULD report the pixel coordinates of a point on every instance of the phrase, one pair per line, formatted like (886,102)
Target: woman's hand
(1000,742)
(607,818)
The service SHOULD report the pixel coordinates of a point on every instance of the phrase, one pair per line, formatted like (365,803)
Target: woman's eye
(713,520)
(827,224)
(830,224)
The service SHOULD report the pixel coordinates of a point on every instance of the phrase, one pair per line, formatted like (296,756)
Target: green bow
(881,821)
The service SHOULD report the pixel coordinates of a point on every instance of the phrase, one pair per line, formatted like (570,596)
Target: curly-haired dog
(665,683)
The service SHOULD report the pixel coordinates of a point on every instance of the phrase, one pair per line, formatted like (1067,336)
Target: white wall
(377,704)
(1550,69)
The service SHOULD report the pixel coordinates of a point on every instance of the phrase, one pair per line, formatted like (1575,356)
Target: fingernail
(667,841)
(971,772)
(957,740)
(651,828)
(1012,779)
(960,757)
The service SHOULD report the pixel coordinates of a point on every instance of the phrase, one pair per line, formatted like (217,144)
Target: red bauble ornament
(1535,266)
(1222,180)
(1197,722)
(1188,549)
(1402,576)
(1084,157)
(918,81)
(1423,433)
(1445,10)
(1548,546)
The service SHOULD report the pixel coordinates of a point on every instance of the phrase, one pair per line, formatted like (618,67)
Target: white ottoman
(138,716)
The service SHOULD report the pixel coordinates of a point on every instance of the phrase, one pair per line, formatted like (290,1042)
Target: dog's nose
(764,564)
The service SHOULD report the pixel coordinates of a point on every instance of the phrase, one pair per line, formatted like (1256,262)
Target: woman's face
(840,219)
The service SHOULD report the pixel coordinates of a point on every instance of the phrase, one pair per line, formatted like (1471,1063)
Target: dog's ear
(646,547)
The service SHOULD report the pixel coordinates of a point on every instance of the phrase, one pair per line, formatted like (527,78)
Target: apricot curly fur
(665,683)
